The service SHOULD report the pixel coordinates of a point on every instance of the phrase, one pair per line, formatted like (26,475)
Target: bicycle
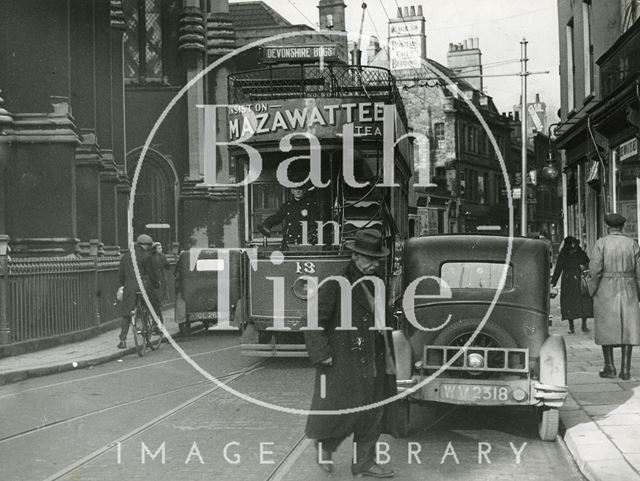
(145,331)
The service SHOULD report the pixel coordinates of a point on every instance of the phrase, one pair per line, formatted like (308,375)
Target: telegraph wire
(300,12)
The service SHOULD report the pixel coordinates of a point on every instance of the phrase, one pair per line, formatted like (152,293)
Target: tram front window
(267,198)
(297,218)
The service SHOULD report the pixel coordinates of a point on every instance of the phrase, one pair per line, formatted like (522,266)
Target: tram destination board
(299,53)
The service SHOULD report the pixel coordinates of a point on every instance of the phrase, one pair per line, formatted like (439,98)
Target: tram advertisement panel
(323,117)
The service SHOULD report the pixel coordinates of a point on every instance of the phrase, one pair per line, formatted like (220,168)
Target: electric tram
(340,129)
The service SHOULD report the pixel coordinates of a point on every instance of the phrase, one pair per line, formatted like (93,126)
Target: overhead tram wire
(300,12)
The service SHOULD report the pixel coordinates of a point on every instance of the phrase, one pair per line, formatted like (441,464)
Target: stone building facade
(469,181)
(600,114)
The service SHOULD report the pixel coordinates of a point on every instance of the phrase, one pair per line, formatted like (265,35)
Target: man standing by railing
(129,282)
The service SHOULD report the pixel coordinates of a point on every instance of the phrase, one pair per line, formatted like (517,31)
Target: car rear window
(475,275)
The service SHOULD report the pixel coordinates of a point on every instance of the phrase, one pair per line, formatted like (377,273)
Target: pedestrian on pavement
(351,365)
(574,304)
(160,264)
(300,208)
(129,283)
(615,284)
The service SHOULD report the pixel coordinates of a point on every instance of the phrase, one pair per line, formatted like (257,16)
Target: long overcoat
(615,283)
(573,304)
(357,376)
(128,279)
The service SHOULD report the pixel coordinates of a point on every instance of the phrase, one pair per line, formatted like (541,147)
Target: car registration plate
(476,393)
(199,316)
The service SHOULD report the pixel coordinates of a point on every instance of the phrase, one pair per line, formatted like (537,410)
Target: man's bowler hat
(368,242)
(614,220)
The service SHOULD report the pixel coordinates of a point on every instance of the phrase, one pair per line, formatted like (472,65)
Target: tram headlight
(302,289)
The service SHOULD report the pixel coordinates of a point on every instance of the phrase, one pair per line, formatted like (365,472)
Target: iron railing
(45,298)
(311,81)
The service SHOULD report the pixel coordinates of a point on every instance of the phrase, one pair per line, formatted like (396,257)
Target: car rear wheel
(548,423)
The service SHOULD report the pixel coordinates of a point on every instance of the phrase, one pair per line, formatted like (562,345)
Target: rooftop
(250,15)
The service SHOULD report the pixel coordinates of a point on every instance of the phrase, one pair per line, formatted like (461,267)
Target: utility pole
(523,130)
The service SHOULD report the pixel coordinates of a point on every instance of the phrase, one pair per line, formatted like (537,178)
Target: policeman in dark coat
(130,285)
(352,362)
(292,215)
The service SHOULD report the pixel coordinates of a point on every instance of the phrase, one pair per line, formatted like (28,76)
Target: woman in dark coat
(572,260)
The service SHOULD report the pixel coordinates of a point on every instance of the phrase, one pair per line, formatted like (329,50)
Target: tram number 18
(305,268)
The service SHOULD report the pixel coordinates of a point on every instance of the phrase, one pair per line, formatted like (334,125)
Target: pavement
(600,418)
(75,355)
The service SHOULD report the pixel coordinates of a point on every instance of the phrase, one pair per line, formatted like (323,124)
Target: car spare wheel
(459,332)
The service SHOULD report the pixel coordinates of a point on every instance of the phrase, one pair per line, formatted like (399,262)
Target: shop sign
(300,53)
(628,149)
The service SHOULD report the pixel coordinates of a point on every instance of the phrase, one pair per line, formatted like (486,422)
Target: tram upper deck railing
(311,81)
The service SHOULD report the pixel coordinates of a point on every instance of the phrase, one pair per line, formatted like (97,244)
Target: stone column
(6,153)
(88,165)
(41,188)
(118,118)
(122,207)
(108,204)
(191,44)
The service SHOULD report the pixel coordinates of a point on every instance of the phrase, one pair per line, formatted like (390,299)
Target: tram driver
(301,208)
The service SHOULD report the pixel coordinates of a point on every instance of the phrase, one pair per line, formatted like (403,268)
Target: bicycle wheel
(154,334)
(138,328)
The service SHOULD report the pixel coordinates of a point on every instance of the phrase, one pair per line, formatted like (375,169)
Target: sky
(500,26)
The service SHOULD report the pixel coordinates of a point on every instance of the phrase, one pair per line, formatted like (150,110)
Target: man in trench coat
(353,363)
(615,284)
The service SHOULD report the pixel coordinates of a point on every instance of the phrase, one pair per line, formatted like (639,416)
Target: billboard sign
(407,44)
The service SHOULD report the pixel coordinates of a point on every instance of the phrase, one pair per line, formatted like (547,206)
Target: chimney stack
(465,59)
(373,48)
(406,30)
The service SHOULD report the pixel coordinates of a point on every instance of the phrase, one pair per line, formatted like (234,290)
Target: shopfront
(626,184)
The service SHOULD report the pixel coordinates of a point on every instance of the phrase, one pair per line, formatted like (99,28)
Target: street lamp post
(523,130)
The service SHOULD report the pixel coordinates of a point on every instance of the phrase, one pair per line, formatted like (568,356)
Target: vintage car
(201,276)
(474,328)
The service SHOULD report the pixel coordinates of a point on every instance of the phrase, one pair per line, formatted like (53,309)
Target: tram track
(111,373)
(228,378)
(286,463)
(60,422)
